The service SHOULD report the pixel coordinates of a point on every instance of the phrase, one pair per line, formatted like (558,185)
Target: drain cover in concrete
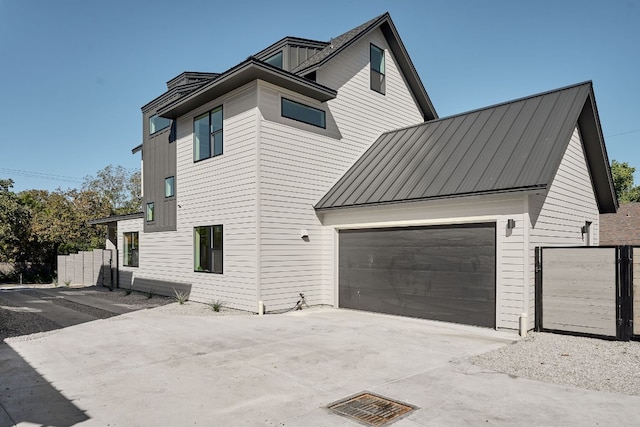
(371,409)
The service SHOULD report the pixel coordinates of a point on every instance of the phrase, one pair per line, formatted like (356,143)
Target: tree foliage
(37,225)
(622,175)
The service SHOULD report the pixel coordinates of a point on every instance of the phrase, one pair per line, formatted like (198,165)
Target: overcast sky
(74,73)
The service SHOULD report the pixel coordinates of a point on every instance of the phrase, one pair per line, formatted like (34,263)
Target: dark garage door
(440,273)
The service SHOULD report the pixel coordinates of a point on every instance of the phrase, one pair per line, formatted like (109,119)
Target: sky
(75,73)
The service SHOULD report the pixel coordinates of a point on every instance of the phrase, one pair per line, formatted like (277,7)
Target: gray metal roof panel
(512,146)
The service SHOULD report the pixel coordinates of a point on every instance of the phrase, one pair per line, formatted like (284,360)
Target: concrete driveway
(150,368)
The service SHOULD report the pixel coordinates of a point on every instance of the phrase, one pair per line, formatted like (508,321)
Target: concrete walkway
(150,368)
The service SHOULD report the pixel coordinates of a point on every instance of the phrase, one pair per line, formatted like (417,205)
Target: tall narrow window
(169,186)
(150,211)
(130,253)
(207,135)
(377,69)
(207,249)
(157,123)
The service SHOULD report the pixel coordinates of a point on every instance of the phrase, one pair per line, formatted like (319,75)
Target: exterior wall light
(511,224)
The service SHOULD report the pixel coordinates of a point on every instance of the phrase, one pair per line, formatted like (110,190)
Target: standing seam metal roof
(508,147)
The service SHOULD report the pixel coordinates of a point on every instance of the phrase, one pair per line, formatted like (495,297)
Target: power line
(40,175)
(623,133)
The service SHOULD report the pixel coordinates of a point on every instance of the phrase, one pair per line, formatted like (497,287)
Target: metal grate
(370,409)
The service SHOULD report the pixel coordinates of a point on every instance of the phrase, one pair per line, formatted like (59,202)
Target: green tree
(118,187)
(14,225)
(622,175)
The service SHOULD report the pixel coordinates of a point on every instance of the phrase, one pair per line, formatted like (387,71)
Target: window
(207,135)
(169,186)
(377,69)
(275,60)
(157,123)
(150,211)
(303,113)
(130,255)
(207,249)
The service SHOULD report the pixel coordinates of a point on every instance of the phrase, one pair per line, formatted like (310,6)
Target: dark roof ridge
(500,104)
(348,37)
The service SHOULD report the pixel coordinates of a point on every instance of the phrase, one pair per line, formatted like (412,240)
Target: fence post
(624,296)
(538,289)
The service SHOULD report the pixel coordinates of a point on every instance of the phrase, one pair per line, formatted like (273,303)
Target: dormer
(290,52)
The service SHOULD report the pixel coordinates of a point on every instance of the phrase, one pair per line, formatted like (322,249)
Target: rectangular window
(303,113)
(207,135)
(150,211)
(169,186)
(207,249)
(377,69)
(275,60)
(157,123)
(130,254)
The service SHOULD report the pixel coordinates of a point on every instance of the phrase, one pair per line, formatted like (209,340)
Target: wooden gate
(587,291)
(87,268)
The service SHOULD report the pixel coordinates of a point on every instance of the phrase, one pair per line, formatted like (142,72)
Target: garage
(443,273)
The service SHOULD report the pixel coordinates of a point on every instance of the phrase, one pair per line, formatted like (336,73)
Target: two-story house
(322,168)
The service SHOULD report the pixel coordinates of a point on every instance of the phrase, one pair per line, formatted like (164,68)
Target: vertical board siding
(299,163)
(557,217)
(579,290)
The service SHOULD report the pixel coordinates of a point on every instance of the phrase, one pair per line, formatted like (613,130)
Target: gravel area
(14,322)
(576,361)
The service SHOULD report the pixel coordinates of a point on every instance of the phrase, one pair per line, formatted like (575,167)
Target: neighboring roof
(515,146)
(400,54)
(621,228)
(243,73)
(136,149)
(115,218)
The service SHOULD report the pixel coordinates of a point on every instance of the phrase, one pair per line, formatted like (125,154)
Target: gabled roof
(515,146)
(243,73)
(400,54)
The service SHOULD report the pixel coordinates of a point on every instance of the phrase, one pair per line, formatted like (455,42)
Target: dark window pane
(150,211)
(303,113)
(130,253)
(377,59)
(201,135)
(157,123)
(275,60)
(169,187)
(216,119)
(216,138)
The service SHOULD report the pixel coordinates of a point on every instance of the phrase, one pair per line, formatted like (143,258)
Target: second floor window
(150,211)
(207,135)
(377,69)
(157,123)
(170,186)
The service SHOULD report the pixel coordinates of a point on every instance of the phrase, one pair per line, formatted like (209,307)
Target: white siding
(510,246)
(556,217)
(126,274)
(299,163)
(219,190)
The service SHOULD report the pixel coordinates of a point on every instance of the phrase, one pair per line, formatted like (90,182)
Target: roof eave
(596,155)
(250,70)
(527,189)
(115,218)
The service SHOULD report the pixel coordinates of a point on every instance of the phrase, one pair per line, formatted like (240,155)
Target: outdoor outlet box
(304,233)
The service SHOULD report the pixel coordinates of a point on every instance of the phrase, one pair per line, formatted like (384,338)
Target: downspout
(526,221)
(258,128)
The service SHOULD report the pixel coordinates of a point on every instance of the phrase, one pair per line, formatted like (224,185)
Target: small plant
(128,291)
(216,305)
(181,297)
(55,281)
(67,283)
(150,294)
